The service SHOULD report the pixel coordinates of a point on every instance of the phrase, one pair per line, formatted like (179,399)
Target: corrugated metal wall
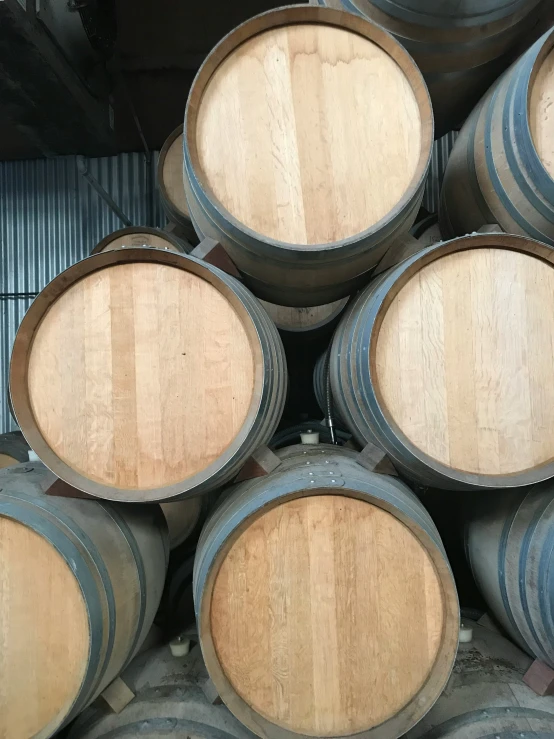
(50,218)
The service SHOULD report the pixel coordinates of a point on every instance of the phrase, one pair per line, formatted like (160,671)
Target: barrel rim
(439,673)
(293,15)
(168,204)
(23,345)
(389,289)
(101,245)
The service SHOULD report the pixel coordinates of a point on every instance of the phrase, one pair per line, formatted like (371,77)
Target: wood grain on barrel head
(44,634)
(141,239)
(327,615)
(7,461)
(541,113)
(172,175)
(464,360)
(296,319)
(308,133)
(140,375)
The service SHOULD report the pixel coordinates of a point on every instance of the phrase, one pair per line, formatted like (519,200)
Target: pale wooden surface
(182,517)
(302,318)
(140,375)
(321,134)
(327,615)
(464,361)
(7,461)
(44,635)
(541,113)
(172,174)
(141,239)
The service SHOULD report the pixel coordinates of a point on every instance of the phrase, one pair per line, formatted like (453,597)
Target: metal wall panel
(51,218)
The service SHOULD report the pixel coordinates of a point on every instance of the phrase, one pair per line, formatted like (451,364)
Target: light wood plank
(322,133)
(141,375)
(464,360)
(327,615)
(7,461)
(44,633)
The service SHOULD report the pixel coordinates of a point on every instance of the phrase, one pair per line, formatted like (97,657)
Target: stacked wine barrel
(461,47)
(163,382)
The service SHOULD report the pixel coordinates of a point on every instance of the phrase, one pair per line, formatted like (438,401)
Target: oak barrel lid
(328,127)
(136,370)
(327,615)
(135,236)
(462,353)
(44,633)
(170,171)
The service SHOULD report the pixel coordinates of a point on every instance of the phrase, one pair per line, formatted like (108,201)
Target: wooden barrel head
(141,373)
(44,634)
(327,615)
(171,173)
(541,115)
(133,237)
(463,360)
(322,130)
(303,319)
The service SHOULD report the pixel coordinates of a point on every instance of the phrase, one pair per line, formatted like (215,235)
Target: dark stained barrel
(13,449)
(488,672)
(81,584)
(300,546)
(460,47)
(443,362)
(501,168)
(182,518)
(306,197)
(322,389)
(170,184)
(134,236)
(509,544)
(169,702)
(173,375)
(497,723)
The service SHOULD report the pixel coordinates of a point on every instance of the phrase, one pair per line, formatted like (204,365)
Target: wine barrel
(509,548)
(488,673)
(293,576)
(81,583)
(306,196)
(444,362)
(460,47)
(501,169)
(170,184)
(305,323)
(13,449)
(172,376)
(497,723)
(141,236)
(182,518)
(169,702)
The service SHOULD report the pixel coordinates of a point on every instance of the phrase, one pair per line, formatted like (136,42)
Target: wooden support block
(260,463)
(61,489)
(213,253)
(118,695)
(210,691)
(374,459)
(487,623)
(540,678)
(398,252)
